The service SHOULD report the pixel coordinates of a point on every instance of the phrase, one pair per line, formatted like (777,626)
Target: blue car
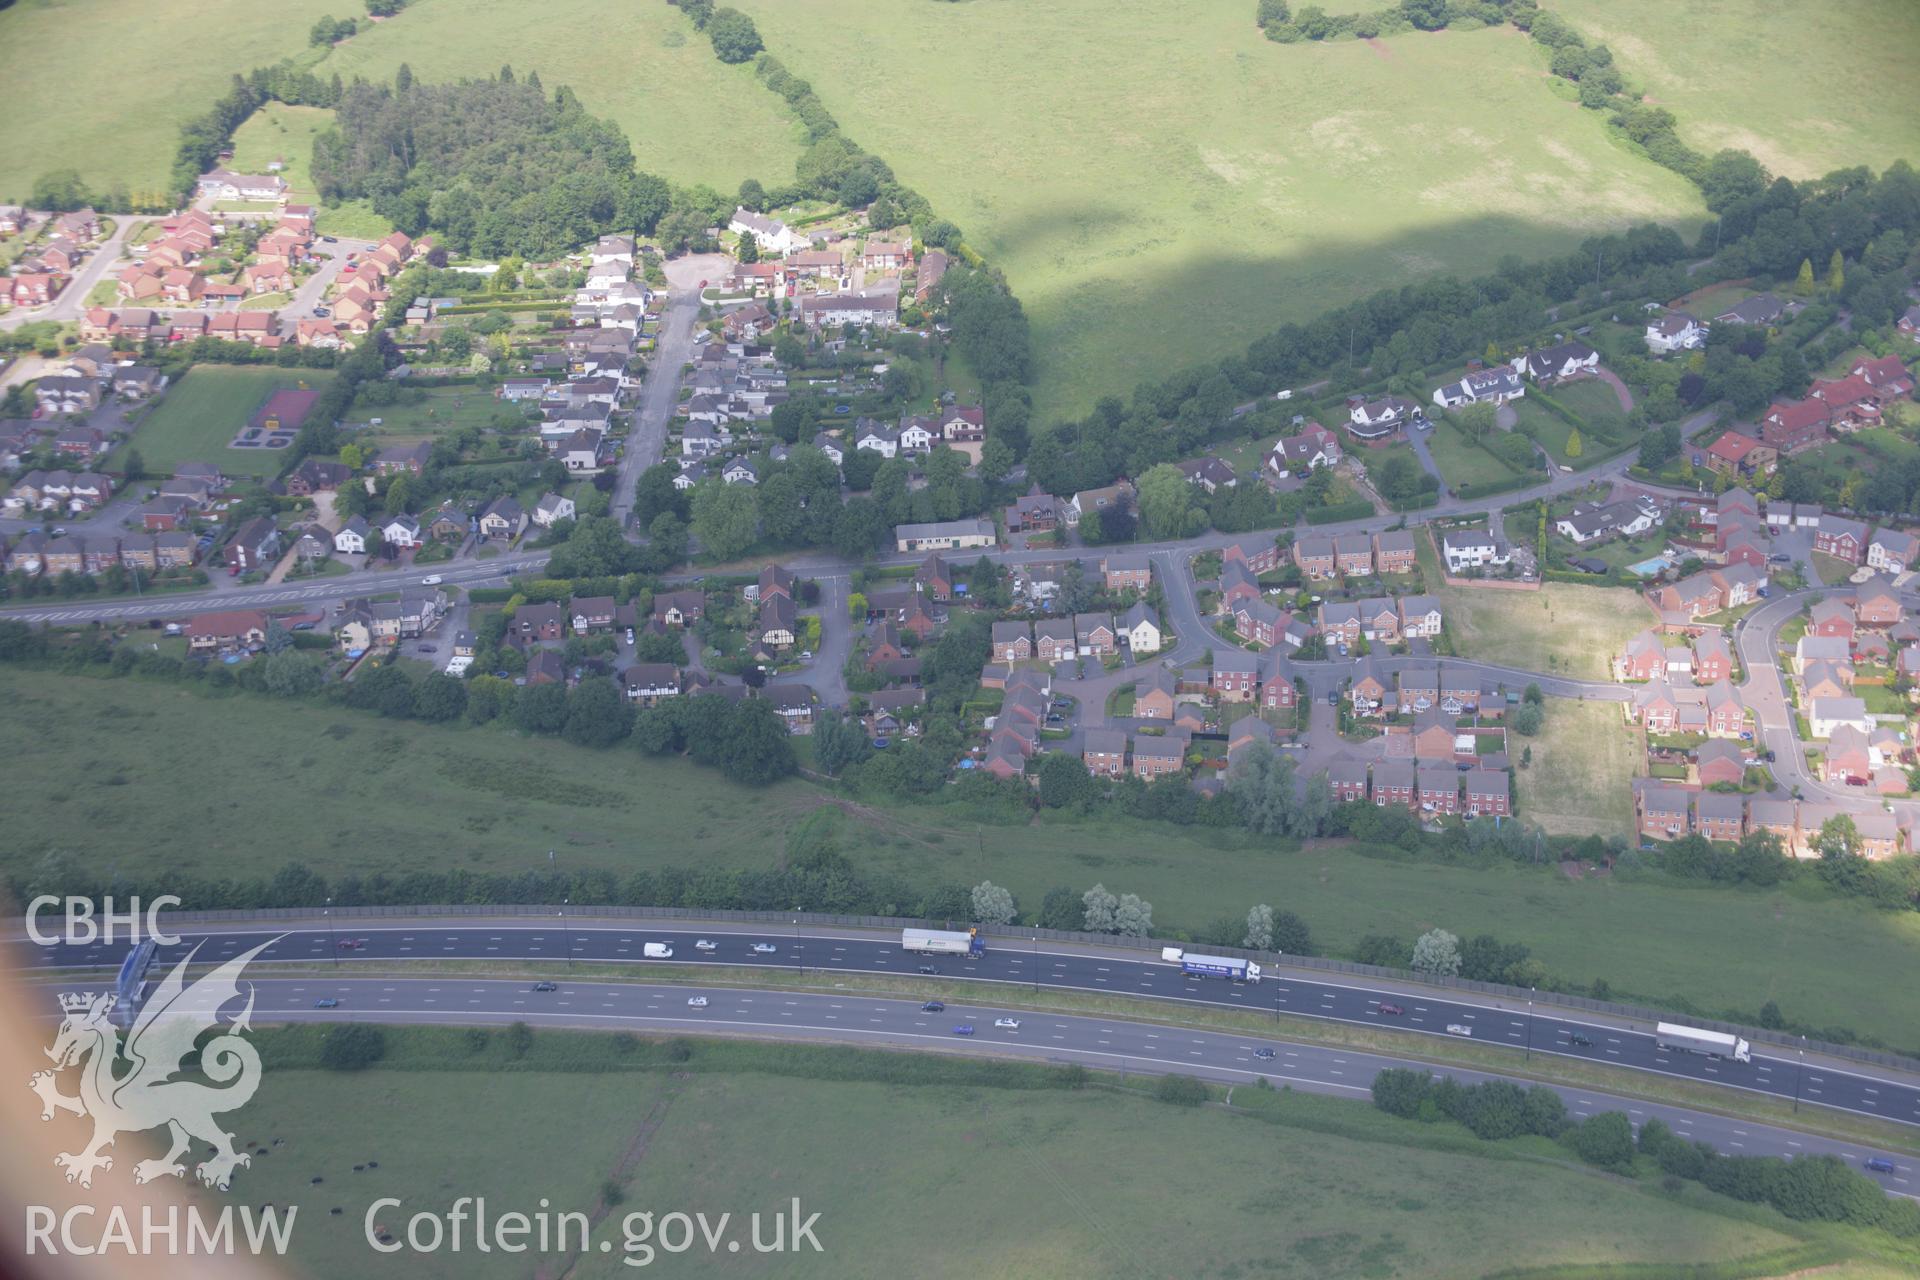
(964,1029)
(326,1002)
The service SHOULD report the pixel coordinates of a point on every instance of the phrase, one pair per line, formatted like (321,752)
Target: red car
(1391,1010)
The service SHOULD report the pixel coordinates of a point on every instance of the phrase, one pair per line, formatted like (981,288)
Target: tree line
(1806,1188)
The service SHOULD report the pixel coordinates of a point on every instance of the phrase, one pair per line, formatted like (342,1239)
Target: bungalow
(1675,331)
(1558,363)
(1760,309)
(948,535)
(233,629)
(1482,386)
(1588,522)
(413,458)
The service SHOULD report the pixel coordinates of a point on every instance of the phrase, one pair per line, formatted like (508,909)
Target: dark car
(1264,1054)
(929,968)
(351,944)
(1879,1164)
(1391,1010)
(934,1006)
(1577,1038)
(964,1029)
(326,1002)
(546,986)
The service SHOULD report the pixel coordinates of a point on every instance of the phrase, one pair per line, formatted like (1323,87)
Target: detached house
(1675,331)
(1841,538)
(1483,386)
(1558,363)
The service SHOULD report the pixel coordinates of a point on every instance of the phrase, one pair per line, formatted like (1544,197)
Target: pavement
(1353,999)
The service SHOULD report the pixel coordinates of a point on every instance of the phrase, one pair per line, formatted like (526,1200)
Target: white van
(657,951)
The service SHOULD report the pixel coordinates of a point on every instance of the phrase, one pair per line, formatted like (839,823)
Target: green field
(1461,461)
(1026,1182)
(1763,75)
(1207,183)
(375,794)
(286,134)
(103,86)
(689,117)
(1584,761)
(197,419)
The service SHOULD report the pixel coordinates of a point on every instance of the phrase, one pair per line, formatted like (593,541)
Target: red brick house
(1105,753)
(1348,780)
(1487,793)
(1393,783)
(1439,789)
(1259,555)
(1235,675)
(1841,538)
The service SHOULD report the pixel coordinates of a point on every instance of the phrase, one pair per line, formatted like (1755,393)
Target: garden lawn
(199,415)
(444,410)
(104,86)
(1207,183)
(1461,461)
(1762,76)
(104,757)
(1561,628)
(1592,401)
(689,117)
(1584,761)
(1057,1174)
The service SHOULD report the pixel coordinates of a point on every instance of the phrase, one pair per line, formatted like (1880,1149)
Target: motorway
(846,951)
(900,1022)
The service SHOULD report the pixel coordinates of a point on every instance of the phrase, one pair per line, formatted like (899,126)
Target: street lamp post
(1800,1064)
(799,949)
(331,942)
(566,931)
(1530,994)
(1036,964)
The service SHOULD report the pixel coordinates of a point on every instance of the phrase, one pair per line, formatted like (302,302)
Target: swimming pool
(1647,568)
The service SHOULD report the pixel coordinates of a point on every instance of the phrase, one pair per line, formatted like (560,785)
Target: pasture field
(286,134)
(689,117)
(197,418)
(103,86)
(1757,74)
(486,800)
(1584,761)
(1209,184)
(1054,1172)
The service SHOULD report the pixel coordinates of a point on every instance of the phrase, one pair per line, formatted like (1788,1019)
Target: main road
(1306,993)
(991,1029)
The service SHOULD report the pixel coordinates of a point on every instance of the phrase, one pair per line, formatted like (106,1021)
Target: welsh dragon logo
(131,1088)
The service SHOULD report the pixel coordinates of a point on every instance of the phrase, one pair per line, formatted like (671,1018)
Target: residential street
(659,396)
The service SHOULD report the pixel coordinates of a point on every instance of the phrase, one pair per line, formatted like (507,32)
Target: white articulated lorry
(1234,970)
(1715,1044)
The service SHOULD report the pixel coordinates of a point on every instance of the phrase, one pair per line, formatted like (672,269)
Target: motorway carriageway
(854,953)
(899,1022)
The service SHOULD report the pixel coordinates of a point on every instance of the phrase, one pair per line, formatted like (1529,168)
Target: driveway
(826,675)
(1418,440)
